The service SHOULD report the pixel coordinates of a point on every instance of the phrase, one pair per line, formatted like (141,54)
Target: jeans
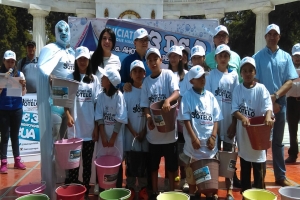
(10,122)
(277,146)
(293,117)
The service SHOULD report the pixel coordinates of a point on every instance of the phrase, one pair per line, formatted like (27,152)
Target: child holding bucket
(175,56)
(250,99)
(221,82)
(200,112)
(160,85)
(110,115)
(135,132)
(81,116)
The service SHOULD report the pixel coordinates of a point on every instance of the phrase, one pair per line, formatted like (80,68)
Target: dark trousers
(10,122)
(259,173)
(293,117)
(87,155)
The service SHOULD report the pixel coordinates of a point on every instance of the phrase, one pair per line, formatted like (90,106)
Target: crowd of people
(216,96)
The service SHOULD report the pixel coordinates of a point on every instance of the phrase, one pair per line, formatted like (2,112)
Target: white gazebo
(155,9)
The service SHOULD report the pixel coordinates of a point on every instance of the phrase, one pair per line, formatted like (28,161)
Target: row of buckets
(76,192)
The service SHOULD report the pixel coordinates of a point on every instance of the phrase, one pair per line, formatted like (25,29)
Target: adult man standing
(274,69)
(293,108)
(28,65)
(221,36)
(140,39)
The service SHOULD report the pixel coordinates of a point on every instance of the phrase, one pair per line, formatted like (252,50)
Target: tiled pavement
(14,178)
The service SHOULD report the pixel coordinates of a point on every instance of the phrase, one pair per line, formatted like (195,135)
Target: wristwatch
(276,95)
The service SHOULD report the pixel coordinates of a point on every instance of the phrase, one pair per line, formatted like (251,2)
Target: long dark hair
(97,57)
(4,70)
(88,78)
(112,90)
(185,66)
(179,69)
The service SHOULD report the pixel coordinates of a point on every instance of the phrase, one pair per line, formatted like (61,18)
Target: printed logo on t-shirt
(138,110)
(224,94)
(84,95)
(157,97)
(69,66)
(204,118)
(246,111)
(109,118)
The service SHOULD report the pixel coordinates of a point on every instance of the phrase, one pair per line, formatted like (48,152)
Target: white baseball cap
(196,72)
(140,33)
(9,54)
(152,50)
(221,48)
(249,60)
(187,49)
(296,49)
(197,51)
(220,28)
(82,52)
(137,63)
(272,27)
(175,49)
(112,74)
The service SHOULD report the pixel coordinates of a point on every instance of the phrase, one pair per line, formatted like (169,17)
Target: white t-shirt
(112,61)
(83,111)
(154,90)
(111,109)
(202,110)
(65,65)
(184,84)
(221,85)
(137,119)
(250,102)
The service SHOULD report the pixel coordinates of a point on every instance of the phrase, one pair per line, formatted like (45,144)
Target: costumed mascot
(56,59)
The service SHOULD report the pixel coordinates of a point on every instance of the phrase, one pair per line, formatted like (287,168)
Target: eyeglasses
(221,35)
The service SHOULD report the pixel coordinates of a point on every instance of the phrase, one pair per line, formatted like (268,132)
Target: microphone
(9,72)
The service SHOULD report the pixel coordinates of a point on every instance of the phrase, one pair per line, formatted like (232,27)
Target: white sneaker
(96,189)
(185,187)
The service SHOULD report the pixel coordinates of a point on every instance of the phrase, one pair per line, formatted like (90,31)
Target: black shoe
(290,159)
(236,181)
(215,197)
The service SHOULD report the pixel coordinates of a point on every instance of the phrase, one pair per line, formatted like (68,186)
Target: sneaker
(132,194)
(3,168)
(185,187)
(283,183)
(290,159)
(19,164)
(96,189)
(143,194)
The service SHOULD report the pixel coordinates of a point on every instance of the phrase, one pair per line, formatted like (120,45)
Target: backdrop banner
(163,33)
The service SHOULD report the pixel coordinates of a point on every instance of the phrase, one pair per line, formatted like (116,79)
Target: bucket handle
(74,132)
(120,156)
(43,183)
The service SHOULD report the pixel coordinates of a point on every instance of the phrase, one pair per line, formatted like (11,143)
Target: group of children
(213,108)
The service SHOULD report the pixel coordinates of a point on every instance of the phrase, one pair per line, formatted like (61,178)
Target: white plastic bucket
(290,193)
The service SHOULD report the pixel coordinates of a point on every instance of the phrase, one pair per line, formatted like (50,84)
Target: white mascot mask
(62,33)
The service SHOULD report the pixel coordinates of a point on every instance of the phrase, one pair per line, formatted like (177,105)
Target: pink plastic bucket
(31,188)
(107,170)
(68,152)
(70,192)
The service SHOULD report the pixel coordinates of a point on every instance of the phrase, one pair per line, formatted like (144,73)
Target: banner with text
(29,133)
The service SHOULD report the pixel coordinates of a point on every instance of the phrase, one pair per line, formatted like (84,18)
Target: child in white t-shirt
(221,82)
(198,57)
(135,131)
(81,116)
(160,85)
(250,99)
(110,115)
(200,112)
